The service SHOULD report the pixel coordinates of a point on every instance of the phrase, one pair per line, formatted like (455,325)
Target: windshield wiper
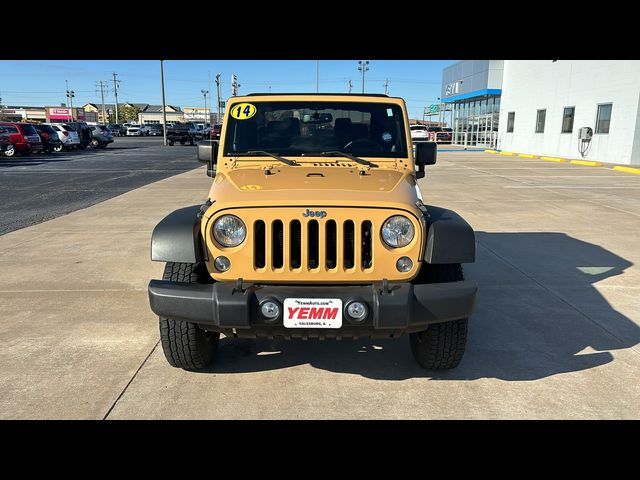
(361,161)
(273,155)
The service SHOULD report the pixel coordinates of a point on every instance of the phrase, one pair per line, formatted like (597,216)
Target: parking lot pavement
(39,187)
(555,333)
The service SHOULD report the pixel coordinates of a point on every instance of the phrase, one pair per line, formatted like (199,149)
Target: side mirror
(426,154)
(208,153)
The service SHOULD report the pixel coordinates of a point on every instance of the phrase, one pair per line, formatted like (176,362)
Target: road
(37,188)
(554,335)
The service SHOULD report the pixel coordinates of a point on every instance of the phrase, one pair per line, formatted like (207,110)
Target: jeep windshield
(313,128)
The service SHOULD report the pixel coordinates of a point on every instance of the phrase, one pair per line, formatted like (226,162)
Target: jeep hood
(308,185)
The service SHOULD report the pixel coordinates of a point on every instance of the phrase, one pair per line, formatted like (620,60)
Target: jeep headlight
(397,231)
(229,231)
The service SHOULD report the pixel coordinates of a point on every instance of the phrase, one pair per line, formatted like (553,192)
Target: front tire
(10,151)
(185,344)
(441,346)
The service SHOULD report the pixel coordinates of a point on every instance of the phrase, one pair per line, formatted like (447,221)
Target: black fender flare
(450,239)
(177,237)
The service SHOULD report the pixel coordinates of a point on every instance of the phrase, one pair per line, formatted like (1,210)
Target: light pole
(70,95)
(164,105)
(363,67)
(205,93)
(218,76)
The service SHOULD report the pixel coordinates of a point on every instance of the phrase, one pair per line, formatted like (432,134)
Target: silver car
(67,135)
(136,130)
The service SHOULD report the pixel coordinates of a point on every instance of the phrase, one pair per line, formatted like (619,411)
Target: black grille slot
(313,243)
(295,246)
(331,244)
(349,239)
(277,244)
(259,244)
(366,244)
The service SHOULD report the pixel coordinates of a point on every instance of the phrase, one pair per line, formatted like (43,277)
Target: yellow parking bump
(553,159)
(526,155)
(491,151)
(586,163)
(627,169)
(507,153)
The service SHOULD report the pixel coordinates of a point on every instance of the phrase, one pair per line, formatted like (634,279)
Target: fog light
(270,309)
(357,310)
(404,264)
(222,264)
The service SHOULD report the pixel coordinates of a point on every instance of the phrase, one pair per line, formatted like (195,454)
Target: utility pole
(350,85)
(218,76)
(205,93)
(104,114)
(164,105)
(386,87)
(115,90)
(363,67)
(317,76)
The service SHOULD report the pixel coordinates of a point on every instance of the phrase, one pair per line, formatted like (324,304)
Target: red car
(23,136)
(215,132)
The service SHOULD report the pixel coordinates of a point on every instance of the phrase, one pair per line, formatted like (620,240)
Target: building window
(541,115)
(603,118)
(567,119)
(510,120)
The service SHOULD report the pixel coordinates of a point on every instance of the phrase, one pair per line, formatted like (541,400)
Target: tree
(128,113)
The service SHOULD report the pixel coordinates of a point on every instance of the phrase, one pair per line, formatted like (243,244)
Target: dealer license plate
(312,313)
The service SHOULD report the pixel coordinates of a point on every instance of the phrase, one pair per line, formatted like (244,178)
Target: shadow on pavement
(535,293)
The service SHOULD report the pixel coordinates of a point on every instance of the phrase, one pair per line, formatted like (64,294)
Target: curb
(527,155)
(628,169)
(553,159)
(506,153)
(491,151)
(586,163)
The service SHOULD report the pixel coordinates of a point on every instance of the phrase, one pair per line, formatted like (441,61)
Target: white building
(544,104)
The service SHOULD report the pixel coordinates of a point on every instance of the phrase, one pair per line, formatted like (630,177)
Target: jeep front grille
(313,245)
(284,246)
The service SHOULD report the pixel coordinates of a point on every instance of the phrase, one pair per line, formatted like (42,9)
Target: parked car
(117,129)
(438,134)
(23,136)
(136,130)
(418,132)
(49,137)
(154,129)
(84,133)
(213,133)
(183,133)
(67,135)
(101,136)
(6,147)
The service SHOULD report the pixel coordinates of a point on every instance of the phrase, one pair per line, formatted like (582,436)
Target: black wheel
(185,344)
(94,143)
(171,144)
(182,142)
(10,151)
(57,148)
(442,345)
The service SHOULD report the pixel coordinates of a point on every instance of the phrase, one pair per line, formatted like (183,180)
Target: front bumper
(233,309)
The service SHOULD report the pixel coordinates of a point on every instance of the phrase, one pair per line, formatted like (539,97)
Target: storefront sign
(452,89)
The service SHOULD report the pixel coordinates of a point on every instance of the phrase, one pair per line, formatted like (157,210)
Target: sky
(42,82)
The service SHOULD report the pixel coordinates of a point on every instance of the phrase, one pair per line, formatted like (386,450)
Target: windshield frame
(400,122)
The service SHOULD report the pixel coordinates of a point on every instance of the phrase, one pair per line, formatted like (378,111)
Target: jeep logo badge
(316,213)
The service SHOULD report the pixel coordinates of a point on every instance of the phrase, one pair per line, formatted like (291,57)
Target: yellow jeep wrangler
(314,227)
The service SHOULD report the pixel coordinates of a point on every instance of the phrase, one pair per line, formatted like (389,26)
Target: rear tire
(185,344)
(10,151)
(441,346)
